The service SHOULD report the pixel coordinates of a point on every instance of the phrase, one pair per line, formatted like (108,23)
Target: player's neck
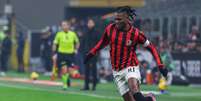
(66,31)
(127,28)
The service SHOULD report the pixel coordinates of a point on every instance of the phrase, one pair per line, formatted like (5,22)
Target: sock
(65,79)
(148,98)
(139,97)
(69,82)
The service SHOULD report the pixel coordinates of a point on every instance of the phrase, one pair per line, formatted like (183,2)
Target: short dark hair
(128,10)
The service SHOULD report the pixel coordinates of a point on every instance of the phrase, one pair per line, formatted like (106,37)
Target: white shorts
(121,78)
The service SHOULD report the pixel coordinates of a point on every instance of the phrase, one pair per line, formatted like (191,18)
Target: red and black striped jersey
(123,46)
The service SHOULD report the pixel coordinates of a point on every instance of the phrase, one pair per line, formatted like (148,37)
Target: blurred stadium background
(173,25)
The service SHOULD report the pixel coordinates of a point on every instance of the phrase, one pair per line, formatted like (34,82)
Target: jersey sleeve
(56,39)
(103,42)
(142,39)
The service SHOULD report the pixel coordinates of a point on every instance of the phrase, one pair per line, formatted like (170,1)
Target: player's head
(123,16)
(65,25)
(90,23)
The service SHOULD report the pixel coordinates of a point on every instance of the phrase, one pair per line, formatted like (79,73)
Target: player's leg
(128,97)
(133,77)
(94,75)
(86,81)
(135,90)
(48,64)
(120,81)
(70,60)
(57,63)
(20,62)
(65,76)
(62,70)
(4,61)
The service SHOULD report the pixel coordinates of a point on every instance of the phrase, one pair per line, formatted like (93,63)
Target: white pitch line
(178,94)
(186,94)
(63,92)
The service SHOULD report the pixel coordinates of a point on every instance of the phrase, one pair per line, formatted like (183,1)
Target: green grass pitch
(13,91)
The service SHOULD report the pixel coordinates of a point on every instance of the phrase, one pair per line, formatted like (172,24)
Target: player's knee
(133,85)
(64,70)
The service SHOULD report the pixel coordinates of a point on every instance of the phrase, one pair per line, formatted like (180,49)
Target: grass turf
(12,91)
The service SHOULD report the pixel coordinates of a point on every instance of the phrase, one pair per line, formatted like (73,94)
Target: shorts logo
(128,43)
(131,70)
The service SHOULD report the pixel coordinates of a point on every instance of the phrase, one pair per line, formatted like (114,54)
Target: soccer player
(123,39)
(68,44)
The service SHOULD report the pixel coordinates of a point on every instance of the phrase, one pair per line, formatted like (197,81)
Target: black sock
(139,97)
(148,98)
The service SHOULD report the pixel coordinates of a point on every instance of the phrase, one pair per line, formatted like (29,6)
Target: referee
(65,45)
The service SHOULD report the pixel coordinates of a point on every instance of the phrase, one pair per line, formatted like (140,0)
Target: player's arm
(104,41)
(101,44)
(55,43)
(54,47)
(149,46)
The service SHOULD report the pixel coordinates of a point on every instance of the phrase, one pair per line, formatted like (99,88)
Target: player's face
(65,26)
(90,24)
(121,19)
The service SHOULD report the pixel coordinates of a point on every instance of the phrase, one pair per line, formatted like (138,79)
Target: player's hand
(163,71)
(54,57)
(88,57)
(76,51)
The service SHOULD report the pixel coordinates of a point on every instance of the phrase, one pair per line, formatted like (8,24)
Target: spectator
(145,67)
(20,51)
(148,30)
(168,61)
(74,24)
(194,35)
(145,55)
(105,75)
(2,36)
(198,48)
(105,72)
(191,46)
(46,50)
(5,53)
(104,59)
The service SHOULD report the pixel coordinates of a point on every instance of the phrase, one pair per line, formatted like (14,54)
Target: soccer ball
(34,76)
